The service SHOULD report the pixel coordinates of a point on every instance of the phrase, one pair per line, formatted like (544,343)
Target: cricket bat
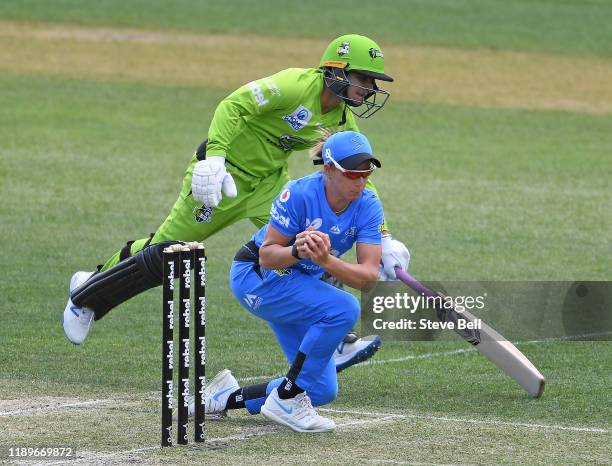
(490,343)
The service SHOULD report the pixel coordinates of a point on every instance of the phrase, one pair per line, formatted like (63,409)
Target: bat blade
(509,359)
(488,342)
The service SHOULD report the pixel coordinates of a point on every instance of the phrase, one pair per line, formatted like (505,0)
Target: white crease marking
(36,409)
(88,458)
(472,421)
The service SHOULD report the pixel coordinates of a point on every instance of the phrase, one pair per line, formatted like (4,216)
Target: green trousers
(188,221)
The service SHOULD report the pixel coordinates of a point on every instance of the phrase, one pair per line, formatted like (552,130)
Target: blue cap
(349,149)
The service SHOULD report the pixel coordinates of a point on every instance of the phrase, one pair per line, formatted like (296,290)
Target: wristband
(294,252)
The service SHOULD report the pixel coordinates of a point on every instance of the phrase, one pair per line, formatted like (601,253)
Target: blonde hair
(317,150)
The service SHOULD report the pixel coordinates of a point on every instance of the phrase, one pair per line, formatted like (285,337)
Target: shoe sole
(362,355)
(279,420)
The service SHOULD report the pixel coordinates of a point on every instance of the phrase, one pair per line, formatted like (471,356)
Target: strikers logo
(202,214)
(253,301)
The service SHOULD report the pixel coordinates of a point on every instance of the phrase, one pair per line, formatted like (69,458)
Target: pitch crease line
(443,353)
(470,421)
(117,455)
(18,412)
(378,361)
(270,377)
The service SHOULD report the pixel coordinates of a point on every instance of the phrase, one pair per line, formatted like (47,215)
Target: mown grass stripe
(473,77)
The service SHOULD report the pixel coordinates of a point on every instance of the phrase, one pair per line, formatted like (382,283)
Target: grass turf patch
(475,193)
(470,77)
(574,27)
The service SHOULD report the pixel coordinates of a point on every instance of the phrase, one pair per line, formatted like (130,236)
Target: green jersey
(257,127)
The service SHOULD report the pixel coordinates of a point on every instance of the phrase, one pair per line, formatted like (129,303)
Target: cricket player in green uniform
(252,134)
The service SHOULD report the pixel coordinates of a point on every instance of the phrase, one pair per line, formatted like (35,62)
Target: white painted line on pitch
(581,337)
(38,409)
(472,421)
(102,456)
(88,458)
(472,349)
(373,362)
(281,430)
(258,377)
(377,361)
(370,421)
(271,377)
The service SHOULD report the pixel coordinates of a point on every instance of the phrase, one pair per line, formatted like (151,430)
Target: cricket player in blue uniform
(275,276)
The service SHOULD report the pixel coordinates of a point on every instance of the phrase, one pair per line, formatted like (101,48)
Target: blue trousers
(307,315)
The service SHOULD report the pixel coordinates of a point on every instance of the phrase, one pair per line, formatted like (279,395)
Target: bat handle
(413,283)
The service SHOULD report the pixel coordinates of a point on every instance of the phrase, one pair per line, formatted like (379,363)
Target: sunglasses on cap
(352,174)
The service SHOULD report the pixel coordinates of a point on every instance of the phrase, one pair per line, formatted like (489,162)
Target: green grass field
(476,188)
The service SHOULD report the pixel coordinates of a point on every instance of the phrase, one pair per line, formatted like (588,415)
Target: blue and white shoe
(296,413)
(75,320)
(353,352)
(216,393)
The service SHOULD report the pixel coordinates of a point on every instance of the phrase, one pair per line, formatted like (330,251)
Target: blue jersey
(303,203)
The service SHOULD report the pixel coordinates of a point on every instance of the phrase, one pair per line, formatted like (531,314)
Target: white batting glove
(209,177)
(394,254)
(382,276)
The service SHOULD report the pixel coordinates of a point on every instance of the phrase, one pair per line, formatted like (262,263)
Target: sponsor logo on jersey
(315,223)
(282,272)
(284,197)
(349,234)
(344,48)
(280,206)
(299,118)
(257,91)
(272,87)
(308,267)
(335,230)
(203,214)
(280,219)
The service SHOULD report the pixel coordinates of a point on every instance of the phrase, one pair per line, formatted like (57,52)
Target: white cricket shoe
(216,393)
(76,320)
(296,413)
(357,351)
